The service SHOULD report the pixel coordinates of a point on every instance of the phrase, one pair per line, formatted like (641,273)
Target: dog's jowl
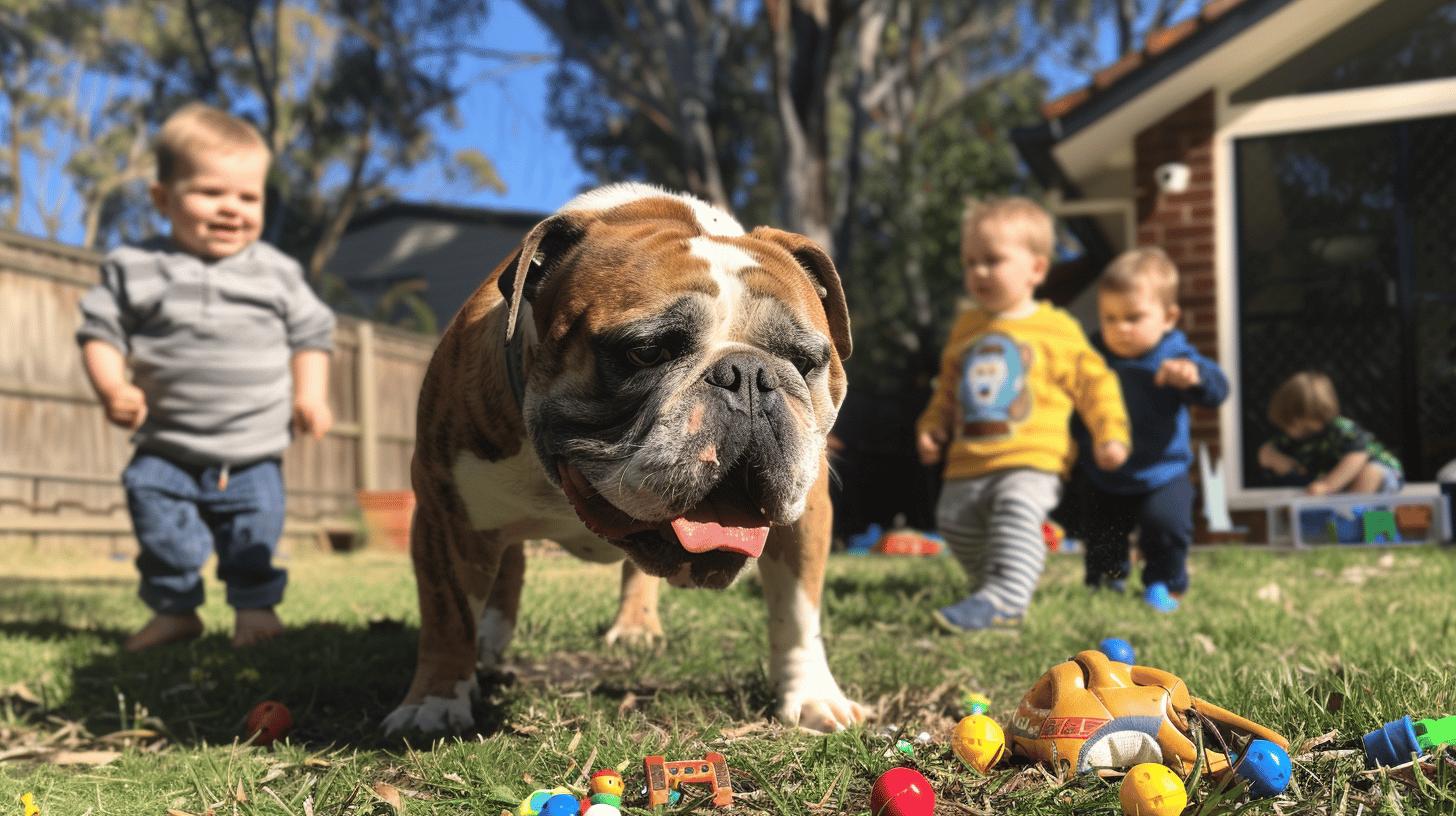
(641,379)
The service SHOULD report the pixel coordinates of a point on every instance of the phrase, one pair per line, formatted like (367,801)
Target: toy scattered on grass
(1150,789)
(1091,712)
(1396,741)
(907,541)
(267,722)
(975,703)
(979,742)
(711,770)
(606,788)
(532,805)
(602,809)
(1053,534)
(1118,649)
(1266,766)
(561,804)
(27,801)
(902,792)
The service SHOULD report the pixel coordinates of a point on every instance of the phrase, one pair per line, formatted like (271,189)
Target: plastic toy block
(1380,526)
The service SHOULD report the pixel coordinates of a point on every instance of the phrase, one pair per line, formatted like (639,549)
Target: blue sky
(504,116)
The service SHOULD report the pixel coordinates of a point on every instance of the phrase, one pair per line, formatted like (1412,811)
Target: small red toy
(270,721)
(902,792)
(905,541)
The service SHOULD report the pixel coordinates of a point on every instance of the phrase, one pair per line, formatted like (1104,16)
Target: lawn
(1320,645)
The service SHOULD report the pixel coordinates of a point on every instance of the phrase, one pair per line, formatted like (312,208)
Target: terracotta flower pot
(387,515)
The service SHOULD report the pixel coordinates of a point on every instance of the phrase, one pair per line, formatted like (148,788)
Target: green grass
(1333,640)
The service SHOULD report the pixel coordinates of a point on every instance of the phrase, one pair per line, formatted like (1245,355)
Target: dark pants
(180,516)
(1164,520)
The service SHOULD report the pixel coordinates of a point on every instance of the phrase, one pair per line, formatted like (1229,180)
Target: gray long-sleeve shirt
(210,344)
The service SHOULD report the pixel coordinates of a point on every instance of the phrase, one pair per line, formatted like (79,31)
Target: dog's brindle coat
(673,368)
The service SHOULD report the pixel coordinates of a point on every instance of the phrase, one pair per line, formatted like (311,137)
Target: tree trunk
(803,48)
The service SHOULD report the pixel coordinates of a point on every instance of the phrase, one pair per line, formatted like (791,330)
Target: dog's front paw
(634,632)
(435,714)
(823,712)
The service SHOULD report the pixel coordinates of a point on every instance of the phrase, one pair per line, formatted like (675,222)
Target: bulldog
(642,379)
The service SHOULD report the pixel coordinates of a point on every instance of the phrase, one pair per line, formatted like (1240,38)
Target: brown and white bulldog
(642,378)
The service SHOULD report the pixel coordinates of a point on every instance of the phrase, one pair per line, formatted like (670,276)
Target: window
(1346,262)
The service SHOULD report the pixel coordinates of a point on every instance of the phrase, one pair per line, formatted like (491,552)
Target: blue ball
(1118,649)
(562,804)
(1266,766)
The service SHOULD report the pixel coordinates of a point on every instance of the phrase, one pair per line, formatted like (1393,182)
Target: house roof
(1164,53)
(445,212)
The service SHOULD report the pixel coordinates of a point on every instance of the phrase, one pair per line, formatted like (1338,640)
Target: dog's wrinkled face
(682,379)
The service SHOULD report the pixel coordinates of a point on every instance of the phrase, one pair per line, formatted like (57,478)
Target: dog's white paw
(823,712)
(639,633)
(493,636)
(435,715)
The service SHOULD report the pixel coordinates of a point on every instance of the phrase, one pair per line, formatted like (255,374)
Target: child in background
(228,347)
(1332,452)
(1161,374)
(1012,372)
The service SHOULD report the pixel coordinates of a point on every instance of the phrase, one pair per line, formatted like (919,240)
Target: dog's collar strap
(515,371)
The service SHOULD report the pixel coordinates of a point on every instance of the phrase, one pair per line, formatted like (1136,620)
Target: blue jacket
(1159,416)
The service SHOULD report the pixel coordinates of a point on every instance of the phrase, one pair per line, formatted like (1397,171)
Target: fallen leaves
(389,794)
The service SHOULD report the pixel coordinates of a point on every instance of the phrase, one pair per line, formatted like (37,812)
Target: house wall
(453,258)
(1183,225)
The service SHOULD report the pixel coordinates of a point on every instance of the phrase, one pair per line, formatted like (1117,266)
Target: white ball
(602,809)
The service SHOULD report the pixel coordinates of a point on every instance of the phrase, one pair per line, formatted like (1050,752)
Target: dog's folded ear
(817,263)
(540,253)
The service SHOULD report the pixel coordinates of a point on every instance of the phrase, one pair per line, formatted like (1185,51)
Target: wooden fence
(61,461)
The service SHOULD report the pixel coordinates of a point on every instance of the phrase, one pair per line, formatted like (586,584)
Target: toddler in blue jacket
(1161,374)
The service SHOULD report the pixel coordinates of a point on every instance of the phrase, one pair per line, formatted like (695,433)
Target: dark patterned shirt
(1319,452)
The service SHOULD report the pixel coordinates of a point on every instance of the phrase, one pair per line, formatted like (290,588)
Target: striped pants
(993,526)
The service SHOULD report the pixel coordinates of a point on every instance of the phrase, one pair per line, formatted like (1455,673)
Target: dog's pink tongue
(702,536)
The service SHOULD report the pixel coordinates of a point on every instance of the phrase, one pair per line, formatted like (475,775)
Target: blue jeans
(180,516)
(1164,520)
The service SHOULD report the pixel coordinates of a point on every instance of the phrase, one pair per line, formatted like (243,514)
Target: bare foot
(164,629)
(255,626)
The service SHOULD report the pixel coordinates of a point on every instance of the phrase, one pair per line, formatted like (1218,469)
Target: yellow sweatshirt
(1007,388)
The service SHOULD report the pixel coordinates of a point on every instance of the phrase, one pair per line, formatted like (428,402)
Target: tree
(344,91)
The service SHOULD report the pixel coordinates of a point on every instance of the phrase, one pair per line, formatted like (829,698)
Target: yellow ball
(1151,789)
(979,742)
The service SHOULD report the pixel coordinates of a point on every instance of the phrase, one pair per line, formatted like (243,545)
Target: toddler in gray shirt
(229,352)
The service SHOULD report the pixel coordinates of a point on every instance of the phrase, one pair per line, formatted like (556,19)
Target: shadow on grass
(339,682)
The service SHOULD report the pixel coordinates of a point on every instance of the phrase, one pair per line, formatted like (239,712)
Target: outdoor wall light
(1172,177)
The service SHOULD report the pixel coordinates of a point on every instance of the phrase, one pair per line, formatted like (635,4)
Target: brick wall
(1182,224)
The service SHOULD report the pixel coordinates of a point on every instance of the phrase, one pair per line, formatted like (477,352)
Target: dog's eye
(804,363)
(648,356)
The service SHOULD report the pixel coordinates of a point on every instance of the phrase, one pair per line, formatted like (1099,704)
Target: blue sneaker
(1158,597)
(973,614)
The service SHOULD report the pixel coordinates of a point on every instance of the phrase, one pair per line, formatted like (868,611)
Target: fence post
(365,392)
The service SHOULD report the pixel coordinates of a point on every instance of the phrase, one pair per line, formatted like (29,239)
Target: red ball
(270,720)
(902,792)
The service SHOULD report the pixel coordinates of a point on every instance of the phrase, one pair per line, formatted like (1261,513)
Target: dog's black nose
(732,371)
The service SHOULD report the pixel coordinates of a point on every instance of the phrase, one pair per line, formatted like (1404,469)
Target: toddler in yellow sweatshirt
(1013,370)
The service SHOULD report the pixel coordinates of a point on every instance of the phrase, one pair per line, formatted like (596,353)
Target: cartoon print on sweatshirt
(993,385)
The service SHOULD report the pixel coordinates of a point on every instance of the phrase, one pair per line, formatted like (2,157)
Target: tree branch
(204,50)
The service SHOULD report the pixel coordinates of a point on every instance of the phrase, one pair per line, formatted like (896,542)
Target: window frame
(1280,116)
